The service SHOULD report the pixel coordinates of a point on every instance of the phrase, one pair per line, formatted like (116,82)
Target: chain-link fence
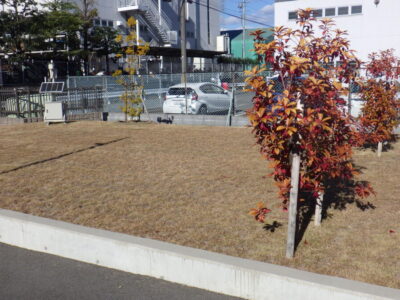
(219,93)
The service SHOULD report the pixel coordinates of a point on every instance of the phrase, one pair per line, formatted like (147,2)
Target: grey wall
(202,35)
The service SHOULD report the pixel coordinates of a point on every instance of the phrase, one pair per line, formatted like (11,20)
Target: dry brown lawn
(193,186)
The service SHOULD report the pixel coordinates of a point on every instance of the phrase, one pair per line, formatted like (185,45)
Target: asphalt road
(32,275)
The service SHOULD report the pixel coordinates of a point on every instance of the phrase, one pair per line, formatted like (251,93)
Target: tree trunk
(291,237)
(318,209)
(85,49)
(380,149)
(126,106)
(107,64)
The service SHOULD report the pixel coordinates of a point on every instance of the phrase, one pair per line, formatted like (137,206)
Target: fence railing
(29,104)
(217,93)
(155,90)
(127,3)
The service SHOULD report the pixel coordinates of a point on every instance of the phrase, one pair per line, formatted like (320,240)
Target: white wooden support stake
(318,209)
(294,191)
(380,149)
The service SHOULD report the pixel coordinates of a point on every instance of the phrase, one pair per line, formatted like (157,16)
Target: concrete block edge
(188,266)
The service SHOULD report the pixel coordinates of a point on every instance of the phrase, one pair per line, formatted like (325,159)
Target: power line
(254,11)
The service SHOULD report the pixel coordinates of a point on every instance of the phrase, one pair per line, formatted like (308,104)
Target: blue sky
(259,10)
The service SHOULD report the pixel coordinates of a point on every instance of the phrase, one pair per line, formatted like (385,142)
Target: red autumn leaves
(260,212)
(303,109)
(380,112)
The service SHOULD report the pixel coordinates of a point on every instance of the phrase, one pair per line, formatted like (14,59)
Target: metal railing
(28,103)
(156,87)
(127,3)
(166,21)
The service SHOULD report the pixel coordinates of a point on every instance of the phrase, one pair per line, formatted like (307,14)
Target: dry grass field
(193,186)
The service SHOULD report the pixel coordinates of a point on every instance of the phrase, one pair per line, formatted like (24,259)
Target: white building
(372,25)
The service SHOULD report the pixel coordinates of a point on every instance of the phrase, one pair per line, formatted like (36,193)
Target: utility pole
(242,5)
(183,50)
(183,40)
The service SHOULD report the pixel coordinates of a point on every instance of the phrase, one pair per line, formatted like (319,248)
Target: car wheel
(203,110)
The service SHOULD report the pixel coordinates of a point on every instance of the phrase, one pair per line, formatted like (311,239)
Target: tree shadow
(387,145)
(338,195)
(96,145)
(272,227)
(305,212)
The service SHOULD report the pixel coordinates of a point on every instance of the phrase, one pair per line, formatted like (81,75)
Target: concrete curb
(181,119)
(193,267)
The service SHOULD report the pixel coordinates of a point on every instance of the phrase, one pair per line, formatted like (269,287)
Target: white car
(201,98)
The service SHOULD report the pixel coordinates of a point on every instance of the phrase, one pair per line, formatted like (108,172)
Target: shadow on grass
(338,195)
(387,145)
(272,227)
(96,145)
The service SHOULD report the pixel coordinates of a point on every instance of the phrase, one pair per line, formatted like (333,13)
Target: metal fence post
(106,96)
(233,94)
(159,90)
(29,106)
(17,103)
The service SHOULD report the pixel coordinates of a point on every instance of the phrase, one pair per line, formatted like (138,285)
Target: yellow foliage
(117,73)
(131,22)
(118,39)
(132,97)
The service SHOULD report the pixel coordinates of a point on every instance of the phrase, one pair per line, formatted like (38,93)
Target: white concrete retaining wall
(197,268)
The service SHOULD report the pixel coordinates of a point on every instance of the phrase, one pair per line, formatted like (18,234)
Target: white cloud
(230,21)
(263,15)
(268,9)
(267,14)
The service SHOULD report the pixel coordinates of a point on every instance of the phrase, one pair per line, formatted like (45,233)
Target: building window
(344,10)
(329,12)
(96,22)
(103,22)
(317,13)
(292,15)
(357,9)
(111,23)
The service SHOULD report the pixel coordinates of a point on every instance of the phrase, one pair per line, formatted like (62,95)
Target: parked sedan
(201,98)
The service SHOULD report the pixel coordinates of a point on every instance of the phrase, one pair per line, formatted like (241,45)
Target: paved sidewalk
(32,275)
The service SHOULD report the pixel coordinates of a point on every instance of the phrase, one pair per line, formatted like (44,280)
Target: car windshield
(179,91)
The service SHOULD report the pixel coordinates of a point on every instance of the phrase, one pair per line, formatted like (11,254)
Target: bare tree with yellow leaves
(132,49)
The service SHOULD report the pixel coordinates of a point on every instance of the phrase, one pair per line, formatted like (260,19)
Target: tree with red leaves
(300,116)
(379,115)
